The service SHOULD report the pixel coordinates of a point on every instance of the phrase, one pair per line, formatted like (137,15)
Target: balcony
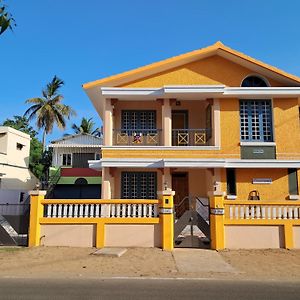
(191,137)
(137,137)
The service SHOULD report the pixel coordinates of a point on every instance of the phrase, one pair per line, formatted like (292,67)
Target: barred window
(138,185)
(138,119)
(256,120)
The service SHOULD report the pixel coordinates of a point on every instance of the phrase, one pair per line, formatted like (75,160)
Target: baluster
(54,211)
(80,210)
(263,212)
(258,212)
(108,210)
(144,210)
(113,210)
(92,209)
(48,215)
(86,210)
(59,212)
(230,212)
(274,212)
(149,206)
(118,210)
(290,212)
(236,212)
(124,210)
(75,210)
(247,212)
(155,210)
(279,216)
(252,212)
(70,213)
(139,210)
(242,212)
(269,213)
(134,210)
(128,210)
(65,211)
(296,215)
(285,212)
(97,210)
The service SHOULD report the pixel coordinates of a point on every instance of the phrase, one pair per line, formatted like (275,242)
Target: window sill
(231,197)
(293,197)
(257,144)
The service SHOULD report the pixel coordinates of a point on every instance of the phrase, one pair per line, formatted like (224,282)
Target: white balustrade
(265,212)
(113,210)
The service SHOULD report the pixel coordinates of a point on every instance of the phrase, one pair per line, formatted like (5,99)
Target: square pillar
(108,123)
(216,123)
(166,123)
(107,187)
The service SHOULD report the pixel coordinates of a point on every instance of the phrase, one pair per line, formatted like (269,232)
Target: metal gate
(14,224)
(191,228)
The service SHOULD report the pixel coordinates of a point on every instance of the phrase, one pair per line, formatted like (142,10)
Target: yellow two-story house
(209,122)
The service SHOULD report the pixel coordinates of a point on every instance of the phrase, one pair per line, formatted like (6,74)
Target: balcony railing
(190,137)
(137,137)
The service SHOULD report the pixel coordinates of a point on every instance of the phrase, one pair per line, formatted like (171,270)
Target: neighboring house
(70,175)
(15,177)
(210,121)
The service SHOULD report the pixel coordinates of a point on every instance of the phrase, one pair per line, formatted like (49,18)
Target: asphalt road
(145,289)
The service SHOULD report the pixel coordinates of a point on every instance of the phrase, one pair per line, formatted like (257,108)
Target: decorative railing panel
(137,137)
(243,210)
(190,137)
(99,209)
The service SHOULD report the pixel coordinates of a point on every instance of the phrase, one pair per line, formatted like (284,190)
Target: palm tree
(86,126)
(48,109)
(6,20)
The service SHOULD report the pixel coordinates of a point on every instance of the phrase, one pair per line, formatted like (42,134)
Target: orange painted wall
(287,128)
(211,70)
(278,190)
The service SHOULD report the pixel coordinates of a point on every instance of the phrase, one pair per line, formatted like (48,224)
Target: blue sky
(82,41)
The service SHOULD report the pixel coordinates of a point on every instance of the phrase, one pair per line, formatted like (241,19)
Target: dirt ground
(64,262)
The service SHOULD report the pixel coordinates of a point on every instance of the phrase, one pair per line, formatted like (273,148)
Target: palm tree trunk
(44,140)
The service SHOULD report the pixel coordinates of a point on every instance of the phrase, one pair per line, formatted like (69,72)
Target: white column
(166,123)
(108,123)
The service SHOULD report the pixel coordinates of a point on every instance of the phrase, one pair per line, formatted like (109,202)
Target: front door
(179,124)
(180,184)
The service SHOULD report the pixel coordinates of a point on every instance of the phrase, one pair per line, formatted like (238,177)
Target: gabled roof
(78,139)
(218,48)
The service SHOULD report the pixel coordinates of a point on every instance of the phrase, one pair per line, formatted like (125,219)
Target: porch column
(216,125)
(108,123)
(166,123)
(166,179)
(107,184)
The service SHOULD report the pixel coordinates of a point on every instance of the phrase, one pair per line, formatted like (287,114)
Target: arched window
(81,181)
(254,81)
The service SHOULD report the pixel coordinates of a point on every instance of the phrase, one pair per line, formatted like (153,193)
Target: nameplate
(166,211)
(217,211)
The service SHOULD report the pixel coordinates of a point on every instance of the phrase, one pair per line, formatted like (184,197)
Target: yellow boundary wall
(165,219)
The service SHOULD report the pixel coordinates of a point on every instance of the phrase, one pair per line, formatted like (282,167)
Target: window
(138,185)
(293,182)
(253,81)
(67,159)
(256,120)
(138,119)
(231,182)
(19,146)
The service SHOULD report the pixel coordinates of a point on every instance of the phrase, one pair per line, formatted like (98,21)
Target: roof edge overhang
(192,163)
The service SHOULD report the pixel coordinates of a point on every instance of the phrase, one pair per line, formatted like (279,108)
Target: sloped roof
(79,138)
(217,48)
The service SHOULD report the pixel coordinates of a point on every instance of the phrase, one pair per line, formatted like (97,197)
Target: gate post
(166,219)
(217,221)
(36,212)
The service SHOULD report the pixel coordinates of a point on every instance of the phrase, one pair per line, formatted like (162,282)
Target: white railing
(263,211)
(100,210)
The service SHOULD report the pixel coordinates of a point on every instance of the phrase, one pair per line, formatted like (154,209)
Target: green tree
(86,126)
(36,150)
(6,19)
(48,109)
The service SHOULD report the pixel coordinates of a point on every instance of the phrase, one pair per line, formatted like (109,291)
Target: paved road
(145,289)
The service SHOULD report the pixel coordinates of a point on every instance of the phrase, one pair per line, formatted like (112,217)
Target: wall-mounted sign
(165,210)
(217,211)
(262,180)
(258,151)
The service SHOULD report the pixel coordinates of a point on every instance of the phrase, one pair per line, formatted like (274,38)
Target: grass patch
(10,249)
